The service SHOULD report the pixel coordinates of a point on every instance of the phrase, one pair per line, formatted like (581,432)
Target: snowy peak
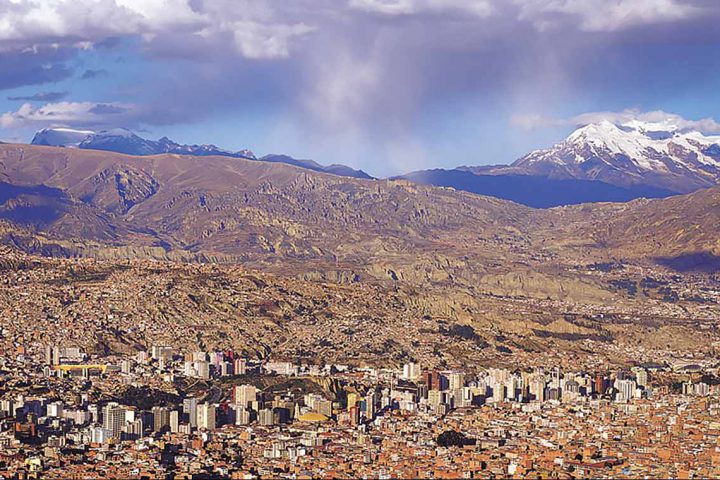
(122,140)
(119,140)
(60,137)
(658,154)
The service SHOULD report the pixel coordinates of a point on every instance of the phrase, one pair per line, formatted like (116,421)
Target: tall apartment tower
(206,416)
(114,419)
(190,409)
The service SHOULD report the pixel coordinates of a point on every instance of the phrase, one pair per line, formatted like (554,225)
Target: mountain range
(601,162)
(597,162)
(122,140)
(427,257)
(236,209)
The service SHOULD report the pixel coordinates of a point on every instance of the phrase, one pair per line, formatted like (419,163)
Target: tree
(452,438)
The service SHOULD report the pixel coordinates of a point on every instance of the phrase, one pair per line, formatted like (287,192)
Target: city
(359,239)
(219,415)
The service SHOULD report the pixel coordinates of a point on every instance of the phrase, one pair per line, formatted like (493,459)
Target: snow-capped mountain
(601,162)
(629,154)
(66,137)
(122,140)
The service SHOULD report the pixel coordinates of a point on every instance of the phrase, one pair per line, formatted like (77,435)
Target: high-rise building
(626,389)
(372,398)
(641,376)
(435,380)
(100,435)
(55,409)
(174,421)
(190,409)
(242,415)
(199,356)
(189,369)
(203,369)
(114,419)
(701,388)
(161,353)
(206,416)
(456,380)
(161,419)
(537,389)
(240,366)
(125,366)
(133,429)
(266,416)
(323,407)
(244,394)
(600,385)
(411,371)
(435,398)
(498,392)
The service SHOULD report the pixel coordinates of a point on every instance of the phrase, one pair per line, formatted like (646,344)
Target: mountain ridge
(122,140)
(263,212)
(596,163)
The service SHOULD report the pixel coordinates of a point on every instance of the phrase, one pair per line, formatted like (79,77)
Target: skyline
(360,83)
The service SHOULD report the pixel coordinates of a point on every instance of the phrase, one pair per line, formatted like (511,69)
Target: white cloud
(26,24)
(68,114)
(256,40)
(604,15)
(481,8)
(593,15)
(656,117)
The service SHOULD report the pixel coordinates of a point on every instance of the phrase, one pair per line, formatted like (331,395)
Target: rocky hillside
(291,220)
(364,271)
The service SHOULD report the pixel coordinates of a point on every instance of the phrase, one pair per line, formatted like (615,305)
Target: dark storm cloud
(88,74)
(20,69)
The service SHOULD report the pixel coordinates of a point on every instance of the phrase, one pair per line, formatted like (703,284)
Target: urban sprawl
(67,414)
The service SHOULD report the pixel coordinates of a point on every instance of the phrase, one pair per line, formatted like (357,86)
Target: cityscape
(359,239)
(217,414)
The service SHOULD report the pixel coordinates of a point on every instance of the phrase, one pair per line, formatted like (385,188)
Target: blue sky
(384,85)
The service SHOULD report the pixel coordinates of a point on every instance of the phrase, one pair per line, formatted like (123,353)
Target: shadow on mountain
(692,262)
(31,205)
(534,191)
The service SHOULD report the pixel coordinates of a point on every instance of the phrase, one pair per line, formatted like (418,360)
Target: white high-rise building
(174,421)
(456,380)
(240,366)
(641,377)
(162,353)
(55,409)
(206,416)
(244,395)
(203,369)
(411,371)
(242,415)
(626,389)
(114,419)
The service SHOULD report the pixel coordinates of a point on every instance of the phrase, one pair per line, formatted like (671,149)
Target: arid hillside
(315,226)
